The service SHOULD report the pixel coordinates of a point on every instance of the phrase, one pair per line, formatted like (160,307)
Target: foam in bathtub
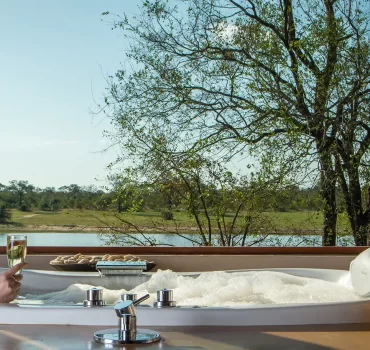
(223,289)
(360,273)
(74,294)
(248,288)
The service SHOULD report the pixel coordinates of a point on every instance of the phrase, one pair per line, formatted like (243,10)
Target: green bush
(5,213)
(167,215)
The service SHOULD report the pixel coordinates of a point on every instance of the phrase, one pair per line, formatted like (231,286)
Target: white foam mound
(74,294)
(235,289)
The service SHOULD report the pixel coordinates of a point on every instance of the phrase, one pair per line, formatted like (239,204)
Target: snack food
(87,259)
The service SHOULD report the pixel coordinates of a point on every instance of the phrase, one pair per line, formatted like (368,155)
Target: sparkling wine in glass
(16,249)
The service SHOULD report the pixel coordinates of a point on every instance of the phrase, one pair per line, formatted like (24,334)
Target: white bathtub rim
(96,274)
(364,301)
(148,317)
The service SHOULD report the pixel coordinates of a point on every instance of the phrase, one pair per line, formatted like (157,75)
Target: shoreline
(4,228)
(12,228)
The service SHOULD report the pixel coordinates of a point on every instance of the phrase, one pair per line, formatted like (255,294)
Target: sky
(54,58)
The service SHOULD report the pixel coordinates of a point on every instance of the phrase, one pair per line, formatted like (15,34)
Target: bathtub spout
(120,268)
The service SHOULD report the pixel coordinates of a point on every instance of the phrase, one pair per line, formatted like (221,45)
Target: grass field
(77,220)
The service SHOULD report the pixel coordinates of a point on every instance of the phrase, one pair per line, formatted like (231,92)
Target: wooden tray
(75,267)
(89,267)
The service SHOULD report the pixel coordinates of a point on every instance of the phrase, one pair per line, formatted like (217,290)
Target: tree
(5,213)
(22,190)
(289,79)
(224,209)
(123,193)
(48,199)
(73,195)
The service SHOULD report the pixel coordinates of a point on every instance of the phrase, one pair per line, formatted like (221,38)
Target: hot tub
(36,281)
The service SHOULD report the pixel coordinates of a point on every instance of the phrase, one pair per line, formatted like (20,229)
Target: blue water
(95,240)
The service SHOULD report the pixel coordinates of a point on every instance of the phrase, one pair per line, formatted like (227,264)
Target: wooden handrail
(31,250)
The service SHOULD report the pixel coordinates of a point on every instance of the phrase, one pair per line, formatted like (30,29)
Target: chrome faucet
(127,332)
(126,313)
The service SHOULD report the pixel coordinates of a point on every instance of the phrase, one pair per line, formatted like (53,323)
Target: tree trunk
(361,236)
(119,205)
(358,219)
(327,192)
(329,237)
(367,214)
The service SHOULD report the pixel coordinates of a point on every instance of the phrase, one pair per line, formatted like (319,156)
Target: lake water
(94,240)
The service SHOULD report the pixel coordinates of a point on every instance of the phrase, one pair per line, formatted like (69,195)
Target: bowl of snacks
(87,263)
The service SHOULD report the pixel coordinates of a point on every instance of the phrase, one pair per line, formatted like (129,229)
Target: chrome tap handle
(94,298)
(164,298)
(140,300)
(127,307)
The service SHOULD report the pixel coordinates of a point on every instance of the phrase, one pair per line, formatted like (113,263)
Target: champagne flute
(16,249)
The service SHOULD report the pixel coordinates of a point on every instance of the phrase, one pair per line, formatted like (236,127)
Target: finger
(12,282)
(13,270)
(15,281)
(17,288)
(18,277)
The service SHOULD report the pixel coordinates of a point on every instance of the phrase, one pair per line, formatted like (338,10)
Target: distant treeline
(26,197)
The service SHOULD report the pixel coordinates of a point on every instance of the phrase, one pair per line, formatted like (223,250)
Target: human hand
(10,283)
